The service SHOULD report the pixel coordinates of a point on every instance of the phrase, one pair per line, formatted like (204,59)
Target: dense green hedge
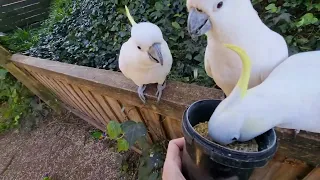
(93,31)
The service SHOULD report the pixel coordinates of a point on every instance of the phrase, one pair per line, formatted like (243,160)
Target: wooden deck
(284,168)
(99,96)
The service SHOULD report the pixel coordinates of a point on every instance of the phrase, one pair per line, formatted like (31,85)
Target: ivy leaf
(3,74)
(122,145)
(271,8)
(176,25)
(307,19)
(133,131)
(114,129)
(96,134)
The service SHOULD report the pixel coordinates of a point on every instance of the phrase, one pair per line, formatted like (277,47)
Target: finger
(174,148)
(179,142)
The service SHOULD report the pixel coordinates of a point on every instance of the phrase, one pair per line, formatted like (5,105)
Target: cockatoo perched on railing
(279,101)
(145,58)
(235,22)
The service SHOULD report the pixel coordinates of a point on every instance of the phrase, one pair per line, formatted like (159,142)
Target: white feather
(135,64)
(238,23)
(288,98)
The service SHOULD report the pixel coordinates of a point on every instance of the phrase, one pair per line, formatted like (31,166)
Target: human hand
(172,164)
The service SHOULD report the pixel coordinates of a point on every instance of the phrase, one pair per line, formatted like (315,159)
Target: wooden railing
(19,13)
(99,96)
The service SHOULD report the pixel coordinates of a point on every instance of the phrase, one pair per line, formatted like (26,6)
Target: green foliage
(95,30)
(16,102)
(91,32)
(296,20)
(131,133)
(20,40)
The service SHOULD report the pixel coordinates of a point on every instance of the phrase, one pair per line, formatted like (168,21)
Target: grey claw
(141,93)
(160,88)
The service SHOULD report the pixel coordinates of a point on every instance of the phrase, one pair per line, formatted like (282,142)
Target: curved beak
(198,23)
(155,53)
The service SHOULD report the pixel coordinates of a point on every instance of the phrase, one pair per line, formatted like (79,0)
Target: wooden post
(32,84)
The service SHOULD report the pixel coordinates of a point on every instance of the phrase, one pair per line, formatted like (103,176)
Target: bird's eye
(199,10)
(139,47)
(220,4)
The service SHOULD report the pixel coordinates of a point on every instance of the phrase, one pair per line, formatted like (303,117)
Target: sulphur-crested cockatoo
(145,58)
(235,22)
(279,101)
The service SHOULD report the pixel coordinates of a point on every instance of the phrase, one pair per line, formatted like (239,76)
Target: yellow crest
(243,81)
(130,17)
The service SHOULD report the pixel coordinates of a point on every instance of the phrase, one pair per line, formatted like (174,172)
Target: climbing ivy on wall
(92,33)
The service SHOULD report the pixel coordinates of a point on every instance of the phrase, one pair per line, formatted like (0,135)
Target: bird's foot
(141,93)
(160,88)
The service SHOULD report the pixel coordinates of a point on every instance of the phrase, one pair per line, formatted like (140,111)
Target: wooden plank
(305,146)
(291,169)
(267,171)
(16,18)
(46,84)
(106,107)
(71,94)
(24,22)
(313,175)
(152,120)
(5,6)
(28,8)
(94,113)
(116,108)
(66,99)
(62,86)
(4,56)
(172,127)
(177,97)
(77,99)
(133,114)
(103,116)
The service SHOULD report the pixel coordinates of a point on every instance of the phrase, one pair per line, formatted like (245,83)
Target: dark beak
(155,53)
(198,23)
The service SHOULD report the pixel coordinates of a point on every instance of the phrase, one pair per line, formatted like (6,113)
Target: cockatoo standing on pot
(235,22)
(145,58)
(279,101)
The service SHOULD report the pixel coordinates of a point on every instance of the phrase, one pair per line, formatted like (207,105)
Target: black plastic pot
(206,160)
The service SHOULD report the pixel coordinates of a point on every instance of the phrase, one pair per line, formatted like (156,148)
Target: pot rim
(204,140)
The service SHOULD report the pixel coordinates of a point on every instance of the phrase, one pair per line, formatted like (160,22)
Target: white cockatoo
(279,101)
(145,58)
(235,22)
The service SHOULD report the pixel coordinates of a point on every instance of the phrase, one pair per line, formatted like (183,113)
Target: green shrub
(92,34)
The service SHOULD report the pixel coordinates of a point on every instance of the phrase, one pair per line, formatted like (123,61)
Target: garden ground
(63,147)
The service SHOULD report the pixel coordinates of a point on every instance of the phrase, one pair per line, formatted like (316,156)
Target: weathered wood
(21,13)
(116,108)
(291,169)
(173,127)
(177,97)
(133,114)
(23,18)
(24,22)
(313,175)
(13,12)
(163,118)
(305,146)
(6,7)
(4,56)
